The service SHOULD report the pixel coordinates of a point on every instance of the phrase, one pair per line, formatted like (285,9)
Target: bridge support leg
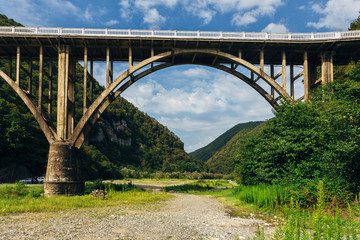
(63,177)
(327,72)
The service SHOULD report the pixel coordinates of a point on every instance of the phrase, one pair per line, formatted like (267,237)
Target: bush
(107,186)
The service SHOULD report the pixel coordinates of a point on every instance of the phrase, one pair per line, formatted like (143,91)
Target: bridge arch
(108,95)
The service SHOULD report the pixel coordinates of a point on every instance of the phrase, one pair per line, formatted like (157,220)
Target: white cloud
(244,11)
(337,14)
(153,18)
(276,28)
(125,9)
(112,22)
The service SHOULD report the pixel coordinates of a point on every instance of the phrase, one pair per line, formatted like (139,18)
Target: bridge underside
(245,60)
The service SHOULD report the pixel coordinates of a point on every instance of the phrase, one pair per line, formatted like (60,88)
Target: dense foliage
(123,136)
(308,142)
(205,153)
(223,161)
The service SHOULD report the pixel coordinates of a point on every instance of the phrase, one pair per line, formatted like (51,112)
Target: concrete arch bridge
(241,54)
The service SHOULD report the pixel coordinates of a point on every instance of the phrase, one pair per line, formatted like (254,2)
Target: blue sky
(196,103)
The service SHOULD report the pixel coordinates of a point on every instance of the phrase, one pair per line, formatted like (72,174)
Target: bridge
(241,54)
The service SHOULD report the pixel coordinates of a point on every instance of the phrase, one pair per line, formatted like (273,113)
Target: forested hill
(224,160)
(205,153)
(123,136)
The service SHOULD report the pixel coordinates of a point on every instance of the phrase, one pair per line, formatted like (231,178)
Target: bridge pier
(63,176)
(327,71)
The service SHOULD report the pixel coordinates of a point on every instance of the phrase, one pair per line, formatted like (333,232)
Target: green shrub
(107,186)
(263,195)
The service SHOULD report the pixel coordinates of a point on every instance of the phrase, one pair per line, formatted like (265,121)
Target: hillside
(123,136)
(224,160)
(205,153)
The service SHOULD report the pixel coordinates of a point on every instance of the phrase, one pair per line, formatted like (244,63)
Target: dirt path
(182,217)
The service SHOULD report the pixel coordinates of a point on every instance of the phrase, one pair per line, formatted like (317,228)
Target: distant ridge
(205,153)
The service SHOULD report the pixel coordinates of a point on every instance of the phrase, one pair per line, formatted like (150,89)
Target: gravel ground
(182,217)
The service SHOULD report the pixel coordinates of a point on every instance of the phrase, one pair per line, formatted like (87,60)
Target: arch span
(108,95)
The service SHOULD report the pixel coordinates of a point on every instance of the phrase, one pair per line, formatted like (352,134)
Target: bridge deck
(344,44)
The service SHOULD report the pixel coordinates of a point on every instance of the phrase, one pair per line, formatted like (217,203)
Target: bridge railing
(177,34)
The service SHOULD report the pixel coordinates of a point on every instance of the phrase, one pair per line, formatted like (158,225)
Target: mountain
(205,153)
(224,160)
(122,137)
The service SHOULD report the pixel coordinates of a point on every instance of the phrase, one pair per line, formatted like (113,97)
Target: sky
(196,103)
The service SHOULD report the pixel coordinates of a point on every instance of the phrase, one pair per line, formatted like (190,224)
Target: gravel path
(182,217)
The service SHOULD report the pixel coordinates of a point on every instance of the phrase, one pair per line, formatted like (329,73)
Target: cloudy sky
(196,103)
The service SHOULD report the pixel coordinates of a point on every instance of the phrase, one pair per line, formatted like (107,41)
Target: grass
(155,181)
(19,199)
(317,223)
(200,186)
(262,195)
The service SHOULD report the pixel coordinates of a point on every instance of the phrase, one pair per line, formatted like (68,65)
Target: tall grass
(317,224)
(18,198)
(262,195)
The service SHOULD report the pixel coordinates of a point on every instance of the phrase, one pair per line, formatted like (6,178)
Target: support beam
(18,65)
(152,54)
(107,67)
(50,89)
(71,97)
(306,77)
(284,70)
(85,80)
(63,76)
(91,80)
(30,76)
(240,54)
(41,65)
(327,72)
(131,63)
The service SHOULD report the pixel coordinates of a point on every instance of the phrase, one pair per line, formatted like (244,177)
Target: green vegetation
(18,198)
(262,195)
(317,224)
(205,153)
(223,161)
(124,137)
(200,186)
(308,142)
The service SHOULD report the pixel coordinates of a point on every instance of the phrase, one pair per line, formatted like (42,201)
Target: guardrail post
(198,34)
(106,31)
(83,31)
(13,29)
(312,35)
(37,30)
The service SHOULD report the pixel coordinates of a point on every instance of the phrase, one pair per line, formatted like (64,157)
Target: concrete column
(63,174)
(41,65)
(306,77)
(292,87)
(327,72)
(50,90)
(85,80)
(18,65)
(30,76)
(71,98)
(107,67)
(283,64)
